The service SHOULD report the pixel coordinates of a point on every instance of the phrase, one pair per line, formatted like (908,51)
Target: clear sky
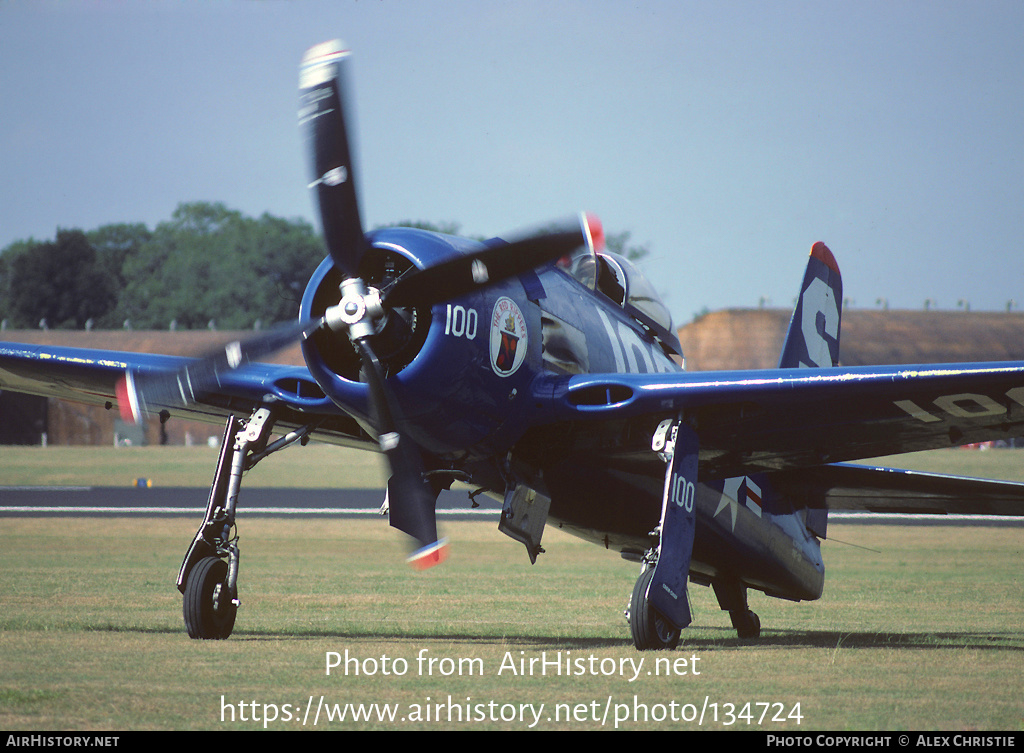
(726,135)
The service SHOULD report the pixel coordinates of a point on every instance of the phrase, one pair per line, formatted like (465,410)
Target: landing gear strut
(208,579)
(660,607)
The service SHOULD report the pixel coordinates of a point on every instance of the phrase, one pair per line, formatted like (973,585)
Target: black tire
(651,631)
(748,624)
(207,608)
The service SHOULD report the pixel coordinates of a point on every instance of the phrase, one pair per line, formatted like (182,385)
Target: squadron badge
(508,337)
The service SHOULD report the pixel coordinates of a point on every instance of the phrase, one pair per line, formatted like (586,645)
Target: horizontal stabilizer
(858,488)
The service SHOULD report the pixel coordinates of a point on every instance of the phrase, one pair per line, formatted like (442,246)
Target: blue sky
(728,136)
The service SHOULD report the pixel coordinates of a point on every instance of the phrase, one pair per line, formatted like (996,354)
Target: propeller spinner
(361,309)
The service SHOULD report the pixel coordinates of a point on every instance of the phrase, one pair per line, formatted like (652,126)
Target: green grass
(919,628)
(313,466)
(325,466)
(923,631)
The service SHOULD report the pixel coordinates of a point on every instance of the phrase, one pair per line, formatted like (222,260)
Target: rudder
(813,336)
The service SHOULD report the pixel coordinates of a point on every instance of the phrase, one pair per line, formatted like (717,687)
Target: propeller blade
(456,277)
(145,392)
(324,104)
(411,499)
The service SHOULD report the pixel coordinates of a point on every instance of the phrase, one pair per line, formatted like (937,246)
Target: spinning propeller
(361,311)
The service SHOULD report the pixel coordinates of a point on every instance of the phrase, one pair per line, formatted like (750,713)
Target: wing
(91,376)
(889,490)
(756,421)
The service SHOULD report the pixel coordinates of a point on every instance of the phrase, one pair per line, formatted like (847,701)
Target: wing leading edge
(91,376)
(758,421)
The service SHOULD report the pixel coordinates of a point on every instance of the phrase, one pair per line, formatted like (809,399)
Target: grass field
(313,466)
(919,628)
(324,466)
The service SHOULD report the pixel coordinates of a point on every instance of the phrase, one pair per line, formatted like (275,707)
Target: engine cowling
(433,371)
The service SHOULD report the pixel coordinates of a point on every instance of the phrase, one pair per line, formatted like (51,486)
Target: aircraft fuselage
(466,396)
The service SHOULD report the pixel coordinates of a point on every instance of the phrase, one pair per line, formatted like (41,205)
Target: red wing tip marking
(821,252)
(430,555)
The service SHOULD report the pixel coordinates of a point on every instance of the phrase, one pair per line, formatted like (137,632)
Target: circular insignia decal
(508,337)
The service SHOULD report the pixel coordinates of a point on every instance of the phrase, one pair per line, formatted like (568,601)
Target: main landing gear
(659,608)
(653,632)
(208,579)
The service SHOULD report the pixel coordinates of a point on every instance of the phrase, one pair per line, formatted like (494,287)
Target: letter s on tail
(813,336)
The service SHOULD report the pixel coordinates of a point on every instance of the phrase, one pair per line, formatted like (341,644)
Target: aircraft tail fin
(813,336)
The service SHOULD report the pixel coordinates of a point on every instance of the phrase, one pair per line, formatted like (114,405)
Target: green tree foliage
(207,263)
(60,283)
(211,263)
(7,281)
(116,243)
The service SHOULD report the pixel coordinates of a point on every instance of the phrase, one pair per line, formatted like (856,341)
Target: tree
(115,244)
(213,263)
(7,282)
(60,283)
(208,262)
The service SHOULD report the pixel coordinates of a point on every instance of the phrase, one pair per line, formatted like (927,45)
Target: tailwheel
(732,598)
(208,606)
(747,624)
(651,631)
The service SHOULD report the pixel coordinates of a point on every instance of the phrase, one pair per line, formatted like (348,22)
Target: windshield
(621,281)
(582,265)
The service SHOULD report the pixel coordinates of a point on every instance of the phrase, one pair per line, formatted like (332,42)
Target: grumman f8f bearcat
(545,370)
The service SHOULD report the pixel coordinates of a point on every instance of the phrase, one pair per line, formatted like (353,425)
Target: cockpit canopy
(619,279)
(631,287)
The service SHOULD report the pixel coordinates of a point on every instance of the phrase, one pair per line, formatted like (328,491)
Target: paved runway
(83,501)
(98,501)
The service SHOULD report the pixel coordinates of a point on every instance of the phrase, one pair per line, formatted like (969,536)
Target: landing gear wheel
(747,624)
(207,607)
(650,630)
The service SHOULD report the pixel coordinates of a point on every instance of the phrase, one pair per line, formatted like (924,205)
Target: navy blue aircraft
(545,371)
